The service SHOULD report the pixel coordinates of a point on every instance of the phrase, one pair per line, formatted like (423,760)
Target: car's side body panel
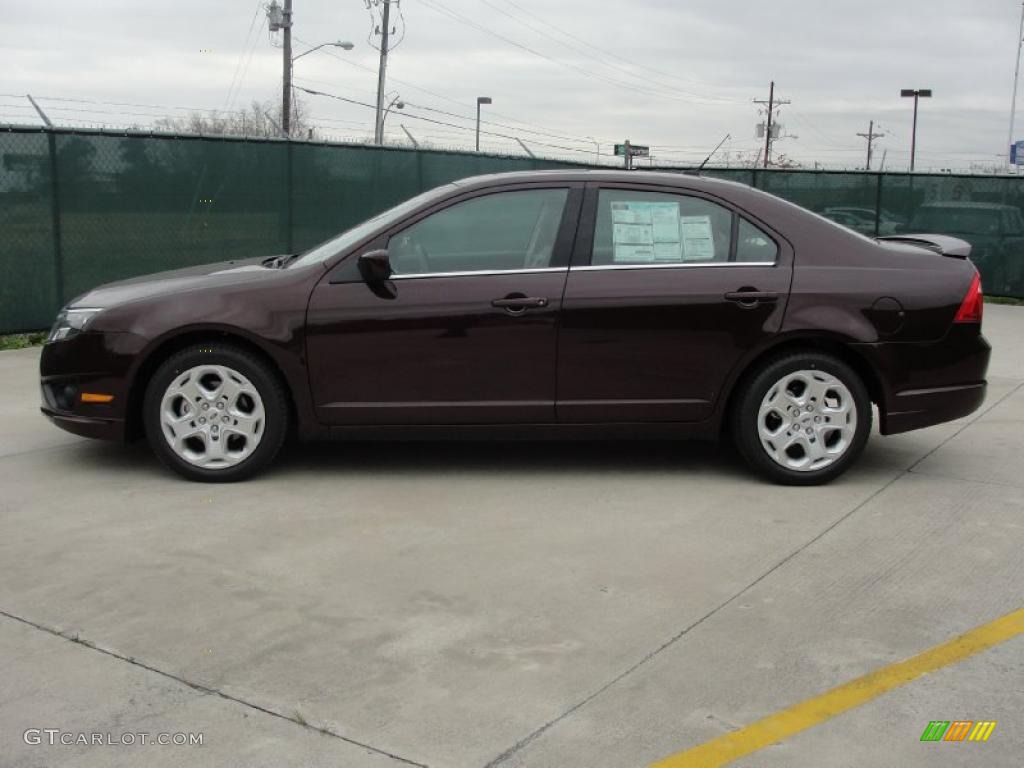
(263,309)
(433,348)
(627,352)
(654,343)
(435,351)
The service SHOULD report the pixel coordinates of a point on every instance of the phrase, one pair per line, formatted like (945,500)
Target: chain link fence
(79,208)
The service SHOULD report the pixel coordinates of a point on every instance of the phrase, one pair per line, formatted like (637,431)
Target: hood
(175,281)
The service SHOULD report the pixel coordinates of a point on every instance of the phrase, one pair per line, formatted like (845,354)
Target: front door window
(499,232)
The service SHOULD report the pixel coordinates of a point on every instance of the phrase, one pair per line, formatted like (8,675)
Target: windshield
(350,237)
(964,221)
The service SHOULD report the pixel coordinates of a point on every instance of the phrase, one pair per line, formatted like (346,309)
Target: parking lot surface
(471,605)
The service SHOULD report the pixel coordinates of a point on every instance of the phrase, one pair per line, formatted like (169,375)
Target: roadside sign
(1017,153)
(635,150)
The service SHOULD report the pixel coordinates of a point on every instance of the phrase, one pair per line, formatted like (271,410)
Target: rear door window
(635,228)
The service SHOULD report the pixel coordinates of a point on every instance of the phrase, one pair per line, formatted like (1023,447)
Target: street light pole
(597,149)
(344,45)
(287,100)
(397,103)
(480,100)
(1016,77)
(915,93)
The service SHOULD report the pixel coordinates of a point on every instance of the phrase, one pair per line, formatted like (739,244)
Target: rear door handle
(519,304)
(752,298)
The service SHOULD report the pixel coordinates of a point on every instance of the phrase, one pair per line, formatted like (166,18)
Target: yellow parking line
(800,717)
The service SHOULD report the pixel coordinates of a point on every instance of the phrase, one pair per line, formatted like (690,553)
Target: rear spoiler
(947,246)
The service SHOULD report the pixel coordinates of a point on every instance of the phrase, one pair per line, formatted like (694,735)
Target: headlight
(71,321)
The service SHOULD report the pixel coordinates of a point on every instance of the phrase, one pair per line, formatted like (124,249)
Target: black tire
(260,375)
(745,426)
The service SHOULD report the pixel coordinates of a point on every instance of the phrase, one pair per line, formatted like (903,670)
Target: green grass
(1004,300)
(22,340)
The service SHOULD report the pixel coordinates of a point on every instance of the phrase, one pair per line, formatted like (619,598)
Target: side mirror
(375,267)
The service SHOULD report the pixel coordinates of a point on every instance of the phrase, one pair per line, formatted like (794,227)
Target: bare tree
(261,120)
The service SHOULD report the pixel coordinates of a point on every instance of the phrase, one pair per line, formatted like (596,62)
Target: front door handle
(516,305)
(752,298)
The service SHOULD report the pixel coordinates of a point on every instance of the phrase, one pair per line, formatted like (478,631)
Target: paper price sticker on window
(698,238)
(645,232)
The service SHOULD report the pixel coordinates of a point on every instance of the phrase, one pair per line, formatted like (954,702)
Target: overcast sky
(674,74)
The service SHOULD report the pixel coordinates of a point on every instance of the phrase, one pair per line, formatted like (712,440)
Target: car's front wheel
(802,419)
(215,413)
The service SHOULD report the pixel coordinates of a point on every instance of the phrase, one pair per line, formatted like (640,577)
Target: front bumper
(87,426)
(92,361)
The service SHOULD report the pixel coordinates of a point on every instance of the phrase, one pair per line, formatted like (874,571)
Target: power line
(241,56)
(613,54)
(546,133)
(123,104)
(485,122)
(248,62)
(440,122)
(591,56)
(440,8)
(437,95)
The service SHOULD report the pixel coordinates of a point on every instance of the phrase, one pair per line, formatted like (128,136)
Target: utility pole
(385,32)
(772,106)
(286,92)
(870,136)
(1016,77)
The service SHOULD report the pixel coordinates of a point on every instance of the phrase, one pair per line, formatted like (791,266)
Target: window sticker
(698,238)
(645,232)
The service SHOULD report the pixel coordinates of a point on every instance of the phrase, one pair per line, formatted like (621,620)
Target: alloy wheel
(807,420)
(212,416)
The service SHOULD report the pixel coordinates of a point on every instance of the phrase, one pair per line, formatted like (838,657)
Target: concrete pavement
(516,605)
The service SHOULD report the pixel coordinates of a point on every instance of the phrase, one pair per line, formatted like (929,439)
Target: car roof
(683,179)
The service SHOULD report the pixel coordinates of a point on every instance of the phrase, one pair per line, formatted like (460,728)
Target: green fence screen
(79,208)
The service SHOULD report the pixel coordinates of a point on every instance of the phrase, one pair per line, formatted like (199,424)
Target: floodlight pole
(916,93)
(480,100)
(1016,77)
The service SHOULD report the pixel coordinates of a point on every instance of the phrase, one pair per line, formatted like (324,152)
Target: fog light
(64,396)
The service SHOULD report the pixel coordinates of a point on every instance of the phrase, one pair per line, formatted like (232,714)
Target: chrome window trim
(467,272)
(601,267)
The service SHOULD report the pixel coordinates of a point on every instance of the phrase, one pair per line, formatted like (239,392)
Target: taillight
(973,303)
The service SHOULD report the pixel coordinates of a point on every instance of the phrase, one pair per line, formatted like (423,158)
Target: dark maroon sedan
(548,304)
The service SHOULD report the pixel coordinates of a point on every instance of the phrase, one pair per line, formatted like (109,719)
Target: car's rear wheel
(802,419)
(215,413)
